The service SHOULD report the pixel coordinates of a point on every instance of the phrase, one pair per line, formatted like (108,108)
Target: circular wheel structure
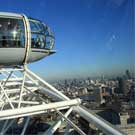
(23,94)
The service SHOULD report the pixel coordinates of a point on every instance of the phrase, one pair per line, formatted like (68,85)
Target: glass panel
(38,41)
(36,26)
(12,33)
(49,42)
(41,36)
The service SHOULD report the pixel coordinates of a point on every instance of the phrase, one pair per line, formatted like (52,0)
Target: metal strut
(23,93)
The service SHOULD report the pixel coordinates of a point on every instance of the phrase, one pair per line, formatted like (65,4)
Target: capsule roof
(10,14)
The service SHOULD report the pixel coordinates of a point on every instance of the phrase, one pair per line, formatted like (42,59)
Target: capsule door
(12,41)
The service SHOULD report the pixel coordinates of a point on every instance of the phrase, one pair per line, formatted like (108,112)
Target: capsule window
(37,41)
(12,34)
(40,35)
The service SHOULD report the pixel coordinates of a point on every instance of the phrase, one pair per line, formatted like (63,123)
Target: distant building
(101,93)
(122,86)
(98,95)
(128,74)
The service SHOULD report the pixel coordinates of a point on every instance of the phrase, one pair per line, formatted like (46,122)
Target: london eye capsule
(23,39)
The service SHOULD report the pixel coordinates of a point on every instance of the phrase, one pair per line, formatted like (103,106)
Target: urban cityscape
(87,84)
(111,98)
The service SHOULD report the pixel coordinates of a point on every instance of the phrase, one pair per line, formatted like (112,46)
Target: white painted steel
(4,83)
(13,79)
(28,39)
(10,14)
(10,69)
(22,89)
(57,124)
(20,111)
(17,90)
(37,109)
(48,85)
(13,83)
(8,99)
(105,126)
(109,130)
(72,124)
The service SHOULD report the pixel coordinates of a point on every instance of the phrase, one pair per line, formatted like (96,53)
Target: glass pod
(23,39)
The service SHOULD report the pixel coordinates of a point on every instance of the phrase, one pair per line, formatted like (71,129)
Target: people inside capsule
(15,41)
(12,34)
(39,34)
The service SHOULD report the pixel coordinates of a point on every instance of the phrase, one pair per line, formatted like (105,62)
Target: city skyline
(93,37)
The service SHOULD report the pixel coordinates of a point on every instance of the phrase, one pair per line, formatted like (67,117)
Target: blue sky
(93,37)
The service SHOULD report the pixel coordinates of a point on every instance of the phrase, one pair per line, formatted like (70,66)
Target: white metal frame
(19,98)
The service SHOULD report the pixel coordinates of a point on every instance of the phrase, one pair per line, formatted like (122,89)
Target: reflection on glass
(12,32)
(41,37)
